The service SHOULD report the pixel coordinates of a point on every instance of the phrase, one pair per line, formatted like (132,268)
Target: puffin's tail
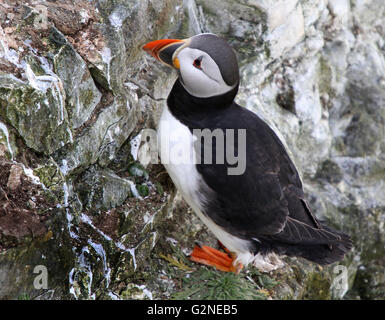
(318,252)
(323,254)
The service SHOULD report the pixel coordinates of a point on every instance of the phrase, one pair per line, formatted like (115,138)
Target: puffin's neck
(192,110)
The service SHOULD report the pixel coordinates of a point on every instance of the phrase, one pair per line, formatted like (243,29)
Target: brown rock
(14,177)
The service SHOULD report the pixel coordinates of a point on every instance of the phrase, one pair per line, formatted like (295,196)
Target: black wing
(267,199)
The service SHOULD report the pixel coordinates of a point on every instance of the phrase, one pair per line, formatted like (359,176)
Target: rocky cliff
(85,214)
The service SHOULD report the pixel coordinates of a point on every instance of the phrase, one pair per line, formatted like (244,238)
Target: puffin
(230,166)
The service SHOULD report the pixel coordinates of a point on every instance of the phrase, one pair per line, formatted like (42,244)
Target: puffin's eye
(197,63)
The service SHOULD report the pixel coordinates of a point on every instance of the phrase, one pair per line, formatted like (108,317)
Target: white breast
(178,156)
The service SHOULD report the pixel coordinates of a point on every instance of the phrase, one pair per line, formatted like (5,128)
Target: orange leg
(218,259)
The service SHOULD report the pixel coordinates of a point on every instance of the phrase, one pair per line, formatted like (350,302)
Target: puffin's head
(206,63)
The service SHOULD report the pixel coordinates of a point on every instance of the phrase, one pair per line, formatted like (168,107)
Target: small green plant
(210,284)
(262,280)
(143,190)
(24,296)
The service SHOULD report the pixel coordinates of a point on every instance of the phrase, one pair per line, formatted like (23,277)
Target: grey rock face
(82,96)
(76,92)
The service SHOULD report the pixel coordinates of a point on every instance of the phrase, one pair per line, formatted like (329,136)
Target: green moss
(325,77)
(48,175)
(143,190)
(4,101)
(20,100)
(24,296)
(159,188)
(264,280)
(329,171)
(86,96)
(35,66)
(99,78)
(132,292)
(35,116)
(317,287)
(267,51)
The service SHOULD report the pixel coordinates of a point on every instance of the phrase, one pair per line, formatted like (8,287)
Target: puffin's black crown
(221,52)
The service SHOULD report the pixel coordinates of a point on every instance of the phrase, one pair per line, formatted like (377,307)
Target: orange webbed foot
(223,261)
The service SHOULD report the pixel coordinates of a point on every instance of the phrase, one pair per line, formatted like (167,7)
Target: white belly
(179,158)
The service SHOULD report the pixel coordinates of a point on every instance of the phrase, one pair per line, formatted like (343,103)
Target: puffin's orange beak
(163,50)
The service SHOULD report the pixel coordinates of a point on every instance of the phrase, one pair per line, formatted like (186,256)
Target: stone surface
(81,196)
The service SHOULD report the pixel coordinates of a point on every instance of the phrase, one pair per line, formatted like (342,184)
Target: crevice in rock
(106,100)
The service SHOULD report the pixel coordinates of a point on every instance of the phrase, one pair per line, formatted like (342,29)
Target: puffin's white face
(199,74)
(206,63)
